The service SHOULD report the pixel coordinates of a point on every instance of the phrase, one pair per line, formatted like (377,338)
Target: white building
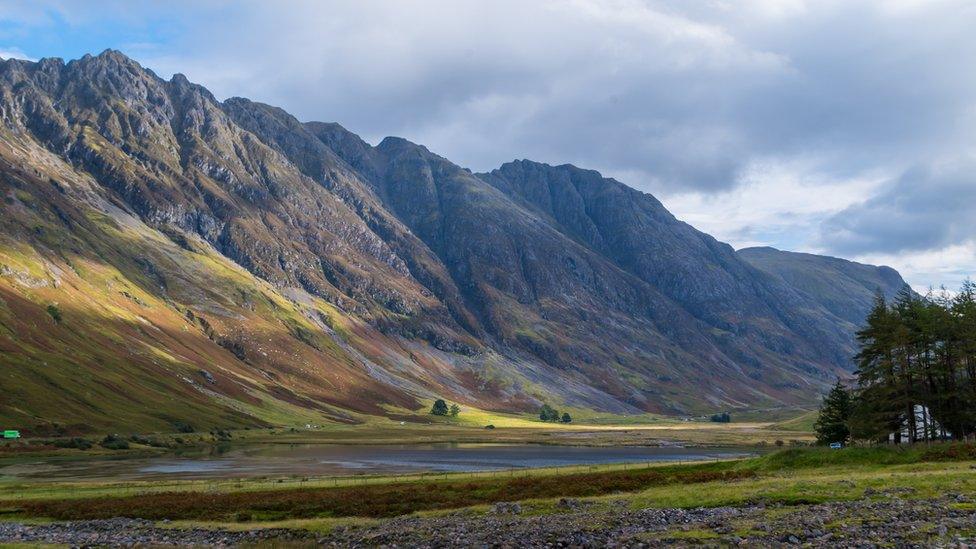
(926,428)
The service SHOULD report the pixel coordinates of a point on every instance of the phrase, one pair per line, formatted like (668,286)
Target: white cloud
(773,200)
(948,266)
(14,53)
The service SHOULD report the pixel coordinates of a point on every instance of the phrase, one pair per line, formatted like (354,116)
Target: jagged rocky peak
(111,73)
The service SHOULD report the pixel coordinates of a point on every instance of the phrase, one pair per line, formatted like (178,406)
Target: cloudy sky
(846,128)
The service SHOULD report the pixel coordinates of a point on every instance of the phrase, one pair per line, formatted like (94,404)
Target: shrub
(724,417)
(566,418)
(55,313)
(114,442)
(182,427)
(76,442)
(489,426)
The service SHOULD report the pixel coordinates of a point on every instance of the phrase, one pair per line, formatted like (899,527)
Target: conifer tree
(917,368)
(835,414)
(878,409)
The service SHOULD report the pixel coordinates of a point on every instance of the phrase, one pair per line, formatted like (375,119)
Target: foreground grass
(787,488)
(795,476)
(61,490)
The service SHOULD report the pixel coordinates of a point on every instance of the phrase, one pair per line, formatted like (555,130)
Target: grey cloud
(926,208)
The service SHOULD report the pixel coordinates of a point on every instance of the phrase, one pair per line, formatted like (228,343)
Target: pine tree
(917,368)
(455,410)
(964,313)
(835,414)
(878,410)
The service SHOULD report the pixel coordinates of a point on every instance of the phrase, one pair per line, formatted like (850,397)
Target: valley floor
(411,427)
(918,496)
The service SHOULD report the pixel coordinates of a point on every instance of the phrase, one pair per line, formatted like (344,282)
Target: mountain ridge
(388,270)
(844,287)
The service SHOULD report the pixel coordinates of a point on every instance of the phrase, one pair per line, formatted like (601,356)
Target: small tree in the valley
(724,417)
(566,418)
(455,410)
(832,424)
(548,413)
(439,408)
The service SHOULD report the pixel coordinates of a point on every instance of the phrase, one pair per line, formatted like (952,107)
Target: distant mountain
(167,258)
(845,288)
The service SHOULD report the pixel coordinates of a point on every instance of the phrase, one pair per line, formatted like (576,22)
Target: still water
(324,460)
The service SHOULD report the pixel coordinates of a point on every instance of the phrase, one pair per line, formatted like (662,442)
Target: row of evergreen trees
(546,413)
(916,372)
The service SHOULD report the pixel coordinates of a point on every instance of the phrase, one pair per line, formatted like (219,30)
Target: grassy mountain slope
(107,322)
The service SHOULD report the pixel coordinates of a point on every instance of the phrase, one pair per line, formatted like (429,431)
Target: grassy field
(789,477)
(803,422)
(693,434)
(587,429)
(419,427)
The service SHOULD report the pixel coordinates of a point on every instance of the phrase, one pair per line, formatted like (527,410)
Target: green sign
(11,434)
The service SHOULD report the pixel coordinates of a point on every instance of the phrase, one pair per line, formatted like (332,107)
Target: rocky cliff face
(313,273)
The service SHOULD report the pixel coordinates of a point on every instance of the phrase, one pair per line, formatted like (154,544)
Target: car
(836,445)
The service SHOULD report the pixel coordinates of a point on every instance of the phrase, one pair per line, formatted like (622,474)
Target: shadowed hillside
(845,288)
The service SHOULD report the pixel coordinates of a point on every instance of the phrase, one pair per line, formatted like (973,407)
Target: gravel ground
(866,523)
(880,519)
(131,532)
